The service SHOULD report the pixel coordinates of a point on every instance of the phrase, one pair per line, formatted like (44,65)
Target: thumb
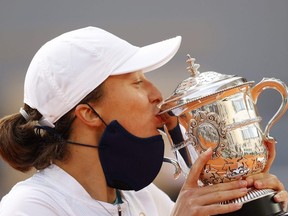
(196,169)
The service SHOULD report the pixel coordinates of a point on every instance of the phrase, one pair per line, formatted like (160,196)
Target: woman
(89,125)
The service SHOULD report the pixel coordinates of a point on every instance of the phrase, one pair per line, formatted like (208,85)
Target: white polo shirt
(53,192)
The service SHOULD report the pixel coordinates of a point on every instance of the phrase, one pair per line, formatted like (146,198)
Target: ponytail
(23,146)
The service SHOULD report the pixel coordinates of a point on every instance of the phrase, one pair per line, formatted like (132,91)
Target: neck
(91,177)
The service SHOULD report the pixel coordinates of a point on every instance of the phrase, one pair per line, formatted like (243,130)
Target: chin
(157,132)
(152,133)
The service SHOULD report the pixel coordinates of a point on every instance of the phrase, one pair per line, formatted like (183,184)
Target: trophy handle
(176,165)
(272,83)
(174,162)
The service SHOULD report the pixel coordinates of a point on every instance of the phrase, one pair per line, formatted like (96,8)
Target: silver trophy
(219,111)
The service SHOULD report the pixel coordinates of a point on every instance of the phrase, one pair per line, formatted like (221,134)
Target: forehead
(115,79)
(118,80)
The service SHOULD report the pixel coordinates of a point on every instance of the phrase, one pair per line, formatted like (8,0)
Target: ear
(87,116)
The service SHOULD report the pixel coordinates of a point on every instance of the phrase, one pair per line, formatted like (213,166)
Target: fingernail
(278,196)
(244,189)
(243,183)
(238,205)
(249,181)
(209,150)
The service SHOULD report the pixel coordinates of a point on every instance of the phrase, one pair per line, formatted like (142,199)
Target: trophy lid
(200,85)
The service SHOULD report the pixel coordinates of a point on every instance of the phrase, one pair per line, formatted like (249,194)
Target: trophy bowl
(219,111)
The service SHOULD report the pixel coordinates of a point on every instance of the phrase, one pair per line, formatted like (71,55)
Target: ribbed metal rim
(251,195)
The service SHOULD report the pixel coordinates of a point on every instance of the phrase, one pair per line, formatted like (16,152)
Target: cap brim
(150,57)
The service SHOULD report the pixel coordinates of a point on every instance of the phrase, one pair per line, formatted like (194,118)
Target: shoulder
(27,198)
(152,199)
(158,194)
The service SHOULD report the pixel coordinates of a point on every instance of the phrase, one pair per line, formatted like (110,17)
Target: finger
(221,196)
(218,209)
(270,144)
(222,187)
(265,180)
(251,179)
(197,167)
(282,196)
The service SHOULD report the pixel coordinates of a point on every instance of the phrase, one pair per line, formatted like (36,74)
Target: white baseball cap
(67,68)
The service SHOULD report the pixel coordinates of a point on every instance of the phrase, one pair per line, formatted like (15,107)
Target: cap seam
(55,87)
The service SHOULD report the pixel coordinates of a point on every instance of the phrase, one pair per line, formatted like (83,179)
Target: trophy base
(263,205)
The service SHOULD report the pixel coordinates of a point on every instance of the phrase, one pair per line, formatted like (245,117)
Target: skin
(133,100)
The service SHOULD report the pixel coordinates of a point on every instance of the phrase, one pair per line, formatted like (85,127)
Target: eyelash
(139,82)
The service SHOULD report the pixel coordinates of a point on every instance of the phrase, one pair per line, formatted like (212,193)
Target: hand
(267,180)
(195,200)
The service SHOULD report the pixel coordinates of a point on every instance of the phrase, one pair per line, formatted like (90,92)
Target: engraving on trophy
(207,130)
(208,136)
(231,159)
(238,172)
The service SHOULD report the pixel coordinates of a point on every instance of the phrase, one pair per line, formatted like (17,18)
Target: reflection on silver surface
(219,112)
(231,128)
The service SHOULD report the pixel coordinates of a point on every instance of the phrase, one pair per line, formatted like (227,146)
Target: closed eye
(138,82)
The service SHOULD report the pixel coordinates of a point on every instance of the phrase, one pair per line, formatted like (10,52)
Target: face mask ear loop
(97,114)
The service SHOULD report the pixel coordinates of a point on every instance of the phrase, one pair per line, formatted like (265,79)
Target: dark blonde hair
(23,146)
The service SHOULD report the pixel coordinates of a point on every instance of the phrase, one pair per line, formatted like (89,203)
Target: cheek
(134,113)
(135,117)
(126,107)
(133,103)
(139,106)
(131,108)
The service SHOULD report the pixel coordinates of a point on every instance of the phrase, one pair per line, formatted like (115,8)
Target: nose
(155,95)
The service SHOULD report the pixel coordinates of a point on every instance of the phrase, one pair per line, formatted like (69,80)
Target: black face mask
(128,162)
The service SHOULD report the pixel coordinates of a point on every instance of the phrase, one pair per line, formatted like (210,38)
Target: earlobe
(87,116)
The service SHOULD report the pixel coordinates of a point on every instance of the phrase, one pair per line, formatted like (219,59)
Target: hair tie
(49,130)
(45,122)
(24,114)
